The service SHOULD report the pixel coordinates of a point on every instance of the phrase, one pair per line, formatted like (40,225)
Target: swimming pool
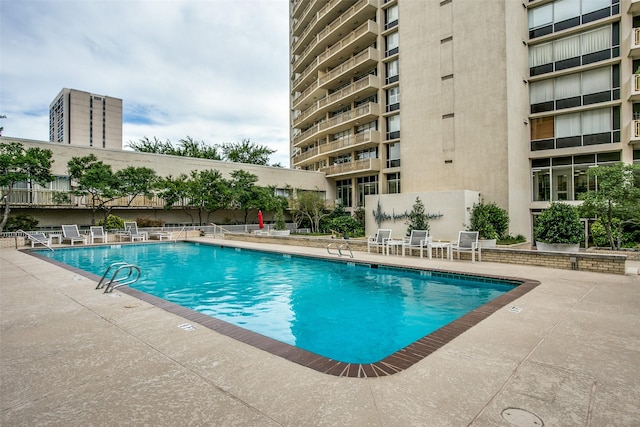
(348,312)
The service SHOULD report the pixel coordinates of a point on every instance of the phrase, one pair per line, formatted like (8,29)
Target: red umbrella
(260,220)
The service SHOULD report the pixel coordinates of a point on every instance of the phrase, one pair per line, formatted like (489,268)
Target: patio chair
(131,232)
(379,240)
(418,239)
(97,233)
(39,239)
(467,242)
(71,233)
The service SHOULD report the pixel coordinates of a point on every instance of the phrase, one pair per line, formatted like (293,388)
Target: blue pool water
(349,312)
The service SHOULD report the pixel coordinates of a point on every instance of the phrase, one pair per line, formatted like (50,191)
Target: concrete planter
(487,243)
(280,232)
(558,247)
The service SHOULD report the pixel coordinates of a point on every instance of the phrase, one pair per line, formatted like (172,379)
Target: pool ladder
(130,274)
(339,248)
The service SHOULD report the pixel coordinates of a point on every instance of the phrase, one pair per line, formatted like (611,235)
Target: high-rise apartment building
(83,118)
(514,99)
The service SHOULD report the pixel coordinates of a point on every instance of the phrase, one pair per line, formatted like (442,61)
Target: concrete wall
(455,207)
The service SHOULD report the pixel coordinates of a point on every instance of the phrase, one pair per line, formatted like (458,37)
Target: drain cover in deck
(521,418)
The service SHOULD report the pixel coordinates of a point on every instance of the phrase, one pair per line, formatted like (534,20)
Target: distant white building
(82,118)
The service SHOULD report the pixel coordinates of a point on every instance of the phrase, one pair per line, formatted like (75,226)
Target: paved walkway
(73,356)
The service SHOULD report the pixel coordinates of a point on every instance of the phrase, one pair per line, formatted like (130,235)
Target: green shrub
(280,224)
(417,218)
(113,222)
(510,240)
(489,220)
(21,221)
(149,222)
(559,223)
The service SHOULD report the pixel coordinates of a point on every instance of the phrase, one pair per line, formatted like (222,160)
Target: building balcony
(634,135)
(634,46)
(308,95)
(364,35)
(634,89)
(305,30)
(361,89)
(355,65)
(358,167)
(634,7)
(24,197)
(358,141)
(339,123)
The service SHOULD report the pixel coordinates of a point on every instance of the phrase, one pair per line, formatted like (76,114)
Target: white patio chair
(418,239)
(467,242)
(131,231)
(97,233)
(71,233)
(380,240)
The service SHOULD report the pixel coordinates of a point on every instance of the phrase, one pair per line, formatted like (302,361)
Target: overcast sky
(214,70)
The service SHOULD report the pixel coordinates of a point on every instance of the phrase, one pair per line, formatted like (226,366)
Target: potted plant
(559,229)
(490,221)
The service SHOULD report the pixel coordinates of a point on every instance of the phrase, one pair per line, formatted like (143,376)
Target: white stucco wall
(454,206)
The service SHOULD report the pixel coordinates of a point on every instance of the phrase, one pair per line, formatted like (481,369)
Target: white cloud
(215,70)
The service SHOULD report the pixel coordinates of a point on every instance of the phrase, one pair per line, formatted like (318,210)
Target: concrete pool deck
(71,355)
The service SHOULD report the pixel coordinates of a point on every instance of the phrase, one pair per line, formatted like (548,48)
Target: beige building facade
(40,203)
(82,118)
(512,100)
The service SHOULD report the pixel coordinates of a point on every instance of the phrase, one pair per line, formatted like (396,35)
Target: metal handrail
(184,228)
(339,249)
(114,283)
(32,237)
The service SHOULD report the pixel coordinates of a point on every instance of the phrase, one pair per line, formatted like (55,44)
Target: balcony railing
(353,141)
(364,56)
(359,166)
(635,130)
(370,108)
(369,81)
(44,197)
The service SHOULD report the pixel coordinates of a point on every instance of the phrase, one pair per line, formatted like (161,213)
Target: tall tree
(312,205)
(102,187)
(616,200)
(247,152)
(245,194)
(204,191)
(32,165)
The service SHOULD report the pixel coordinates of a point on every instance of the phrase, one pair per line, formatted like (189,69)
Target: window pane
(542,128)
(568,125)
(541,91)
(566,48)
(392,14)
(596,40)
(593,5)
(393,123)
(392,41)
(565,9)
(540,54)
(596,121)
(541,16)
(596,80)
(392,68)
(567,86)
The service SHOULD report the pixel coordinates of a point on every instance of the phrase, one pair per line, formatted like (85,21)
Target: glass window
(596,121)
(566,48)
(541,16)
(393,95)
(568,125)
(392,41)
(393,123)
(343,192)
(366,185)
(598,80)
(541,185)
(596,40)
(393,183)
(391,14)
(541,91)
(393,155)
(589,6)
(392,68)
(540,54)
(567,86)
(542,128)
(565,9)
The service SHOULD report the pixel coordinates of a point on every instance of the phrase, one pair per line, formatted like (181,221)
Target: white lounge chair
(97,233)
(131,232)
(379,240)
(467,242)
(39,239)
(418,239)
(71,233)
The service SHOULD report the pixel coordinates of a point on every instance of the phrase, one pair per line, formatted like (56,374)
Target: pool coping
(392,364)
